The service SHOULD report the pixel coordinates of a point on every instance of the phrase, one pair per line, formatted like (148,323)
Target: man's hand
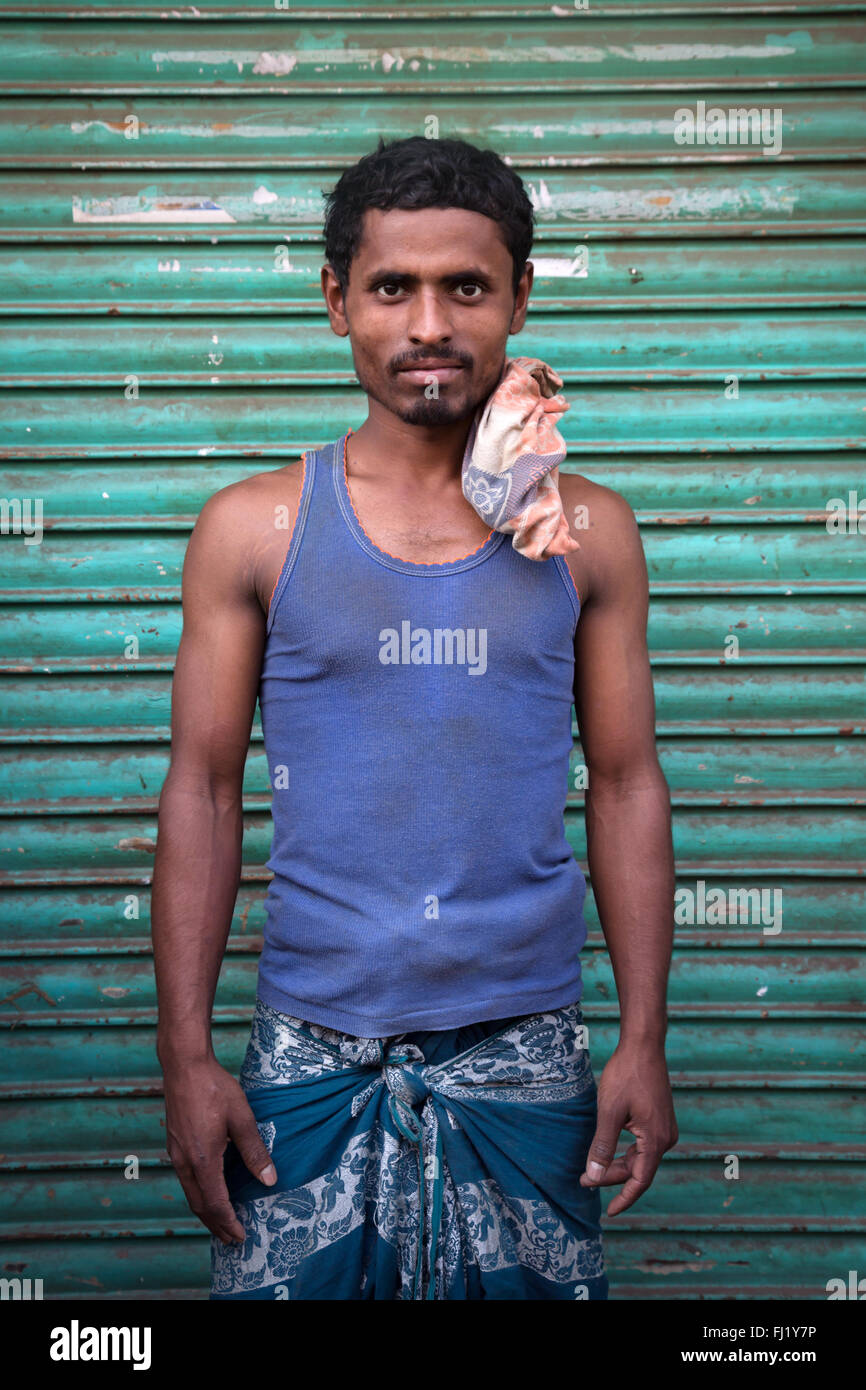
(205,1107)
(634,1093)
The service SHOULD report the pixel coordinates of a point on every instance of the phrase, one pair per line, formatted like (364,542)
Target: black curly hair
(421,173)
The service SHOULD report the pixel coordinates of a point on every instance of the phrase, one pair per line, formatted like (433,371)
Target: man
(416,1115)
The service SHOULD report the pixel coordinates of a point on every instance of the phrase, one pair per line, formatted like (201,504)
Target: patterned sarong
(403,1179)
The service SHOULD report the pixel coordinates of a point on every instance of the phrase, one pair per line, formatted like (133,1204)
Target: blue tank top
(417,729)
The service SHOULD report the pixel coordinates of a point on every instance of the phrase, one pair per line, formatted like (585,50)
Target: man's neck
(409,458)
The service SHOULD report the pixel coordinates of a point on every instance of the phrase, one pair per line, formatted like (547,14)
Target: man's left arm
(629,845)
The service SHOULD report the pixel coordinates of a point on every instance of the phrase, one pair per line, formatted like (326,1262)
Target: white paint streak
(275,64)
(264,195)
(559,266)
(702,203)
(542,198)
(128,209)
(686,52)
(215,57)
(82,127)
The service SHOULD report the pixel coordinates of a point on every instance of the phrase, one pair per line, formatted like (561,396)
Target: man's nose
(429,320)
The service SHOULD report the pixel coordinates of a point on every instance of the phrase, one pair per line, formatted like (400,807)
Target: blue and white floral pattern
(400,1174)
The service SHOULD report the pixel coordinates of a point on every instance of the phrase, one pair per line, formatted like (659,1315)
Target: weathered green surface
(611,348)
(755,200)
(578,130)
(189,258)
(262,422)
(149,281)
(540,55)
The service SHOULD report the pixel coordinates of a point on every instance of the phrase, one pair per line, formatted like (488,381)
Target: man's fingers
(640,1168)
(630,1193)
(603,1146)
(250,1146)
(198,1206)
(191,1189)
(217,1212)
(616,1171)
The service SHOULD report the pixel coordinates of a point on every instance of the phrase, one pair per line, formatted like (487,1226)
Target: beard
(430,411)
(424,410)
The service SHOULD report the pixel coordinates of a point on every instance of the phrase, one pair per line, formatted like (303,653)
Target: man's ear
(521,298)
(334,302)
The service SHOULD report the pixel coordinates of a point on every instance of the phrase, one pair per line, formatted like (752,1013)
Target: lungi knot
(408,1089)
(403,1074)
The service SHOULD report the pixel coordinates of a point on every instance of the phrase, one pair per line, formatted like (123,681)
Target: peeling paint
(127,209)
(275,64)
(571,267)
(696,52)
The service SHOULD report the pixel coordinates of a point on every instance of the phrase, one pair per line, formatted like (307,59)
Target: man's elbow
(628,777)
(212,786)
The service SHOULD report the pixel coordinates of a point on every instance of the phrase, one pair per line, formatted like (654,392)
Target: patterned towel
(512,457)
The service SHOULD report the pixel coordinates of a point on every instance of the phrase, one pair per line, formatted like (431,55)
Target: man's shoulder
(242,525)
(604,525)
(593,504)
(245,499)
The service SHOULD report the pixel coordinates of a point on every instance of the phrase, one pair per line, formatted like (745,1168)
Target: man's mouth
(423,371)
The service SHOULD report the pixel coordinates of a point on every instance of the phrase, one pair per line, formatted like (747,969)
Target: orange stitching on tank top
(292,537)
(571,577)
(430,564)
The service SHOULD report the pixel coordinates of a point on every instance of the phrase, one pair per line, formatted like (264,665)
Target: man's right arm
(199,853)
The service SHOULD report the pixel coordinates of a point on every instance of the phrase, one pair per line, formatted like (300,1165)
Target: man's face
(428,310)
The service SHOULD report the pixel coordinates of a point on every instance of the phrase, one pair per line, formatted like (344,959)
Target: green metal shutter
(156,256)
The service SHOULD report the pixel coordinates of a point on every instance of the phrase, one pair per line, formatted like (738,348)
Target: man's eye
(464,286)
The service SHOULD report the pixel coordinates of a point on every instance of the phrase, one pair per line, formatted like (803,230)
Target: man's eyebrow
(405,276)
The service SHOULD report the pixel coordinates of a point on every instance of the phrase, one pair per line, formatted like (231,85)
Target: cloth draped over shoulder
(510,471)
(398,1179)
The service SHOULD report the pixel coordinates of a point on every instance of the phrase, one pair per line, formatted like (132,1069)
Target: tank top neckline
(384,557)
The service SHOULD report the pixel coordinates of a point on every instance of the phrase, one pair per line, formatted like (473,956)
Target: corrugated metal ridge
(704,516)
(717,201)
(839,725)
(660,275)
(147,1228)
(446,57)
(185,11)
(687,868)
(35,1019)
(733,937)
(61,807)
(684,1152)
(692,1080)
(610,129)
